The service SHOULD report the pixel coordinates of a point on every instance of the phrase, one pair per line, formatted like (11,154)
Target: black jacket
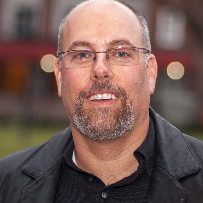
(32,175)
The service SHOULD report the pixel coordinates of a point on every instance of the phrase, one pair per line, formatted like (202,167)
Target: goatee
(104,123)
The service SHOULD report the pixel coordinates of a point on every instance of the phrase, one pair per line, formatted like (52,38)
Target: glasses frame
(60,55)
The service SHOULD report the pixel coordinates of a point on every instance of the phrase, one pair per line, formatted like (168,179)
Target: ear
(57,72)
(152,72)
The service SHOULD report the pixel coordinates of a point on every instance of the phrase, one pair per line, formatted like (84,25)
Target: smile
(106,96)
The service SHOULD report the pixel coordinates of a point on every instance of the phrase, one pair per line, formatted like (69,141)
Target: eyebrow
(80,43)
(118,42)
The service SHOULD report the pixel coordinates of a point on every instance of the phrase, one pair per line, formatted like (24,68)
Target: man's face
(125,90)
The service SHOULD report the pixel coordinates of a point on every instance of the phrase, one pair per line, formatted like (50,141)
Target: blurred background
(31,111)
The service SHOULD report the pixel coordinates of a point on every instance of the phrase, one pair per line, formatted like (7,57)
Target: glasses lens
(78,58)
(123,56)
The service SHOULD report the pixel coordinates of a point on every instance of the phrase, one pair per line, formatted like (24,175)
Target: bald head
(101,9)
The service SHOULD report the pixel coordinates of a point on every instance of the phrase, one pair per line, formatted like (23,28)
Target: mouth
(103,96)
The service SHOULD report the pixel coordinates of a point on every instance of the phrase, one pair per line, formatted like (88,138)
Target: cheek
(69,89)
(73,80)
(133,80)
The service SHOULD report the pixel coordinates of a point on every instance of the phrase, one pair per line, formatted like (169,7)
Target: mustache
(100,86)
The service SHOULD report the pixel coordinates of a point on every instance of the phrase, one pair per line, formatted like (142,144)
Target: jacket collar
(48,155)
(172,151)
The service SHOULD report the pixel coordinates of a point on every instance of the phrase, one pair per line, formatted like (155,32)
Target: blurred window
(170,28)
(15,75)
(24,23)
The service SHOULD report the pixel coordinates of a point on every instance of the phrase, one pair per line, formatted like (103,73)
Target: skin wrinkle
(105,123)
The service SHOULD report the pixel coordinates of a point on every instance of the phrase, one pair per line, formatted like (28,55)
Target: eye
(82,55)
(121,54)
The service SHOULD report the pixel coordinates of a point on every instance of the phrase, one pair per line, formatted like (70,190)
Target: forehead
(101,22)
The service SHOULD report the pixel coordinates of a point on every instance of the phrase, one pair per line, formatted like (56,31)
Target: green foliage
(196,133)
(17,137)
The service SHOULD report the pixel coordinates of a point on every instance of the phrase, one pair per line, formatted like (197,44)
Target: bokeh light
(47,63)
(175,70)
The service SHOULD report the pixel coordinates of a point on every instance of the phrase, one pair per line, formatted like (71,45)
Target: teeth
(113,96)
(102,96)
(98,96)
(108,96)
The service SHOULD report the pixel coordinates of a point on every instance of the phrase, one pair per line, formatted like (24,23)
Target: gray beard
(103,123)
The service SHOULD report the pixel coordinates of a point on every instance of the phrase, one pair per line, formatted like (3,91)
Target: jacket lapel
(42,189)
(44,167)
(173,161)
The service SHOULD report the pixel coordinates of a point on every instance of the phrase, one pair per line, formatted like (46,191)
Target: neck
(110,160)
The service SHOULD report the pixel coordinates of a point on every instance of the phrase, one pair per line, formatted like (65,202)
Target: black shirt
(78,186)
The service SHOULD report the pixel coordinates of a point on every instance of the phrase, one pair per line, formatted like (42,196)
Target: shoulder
(17,159)
(11,170)
(14,162)
(167,131)
(171,140)
(195,146)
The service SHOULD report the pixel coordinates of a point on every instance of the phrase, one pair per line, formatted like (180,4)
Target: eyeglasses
(121,56)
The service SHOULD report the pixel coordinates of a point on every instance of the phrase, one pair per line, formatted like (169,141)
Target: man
(117,149)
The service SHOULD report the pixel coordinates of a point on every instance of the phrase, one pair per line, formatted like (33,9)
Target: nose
(101,69)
